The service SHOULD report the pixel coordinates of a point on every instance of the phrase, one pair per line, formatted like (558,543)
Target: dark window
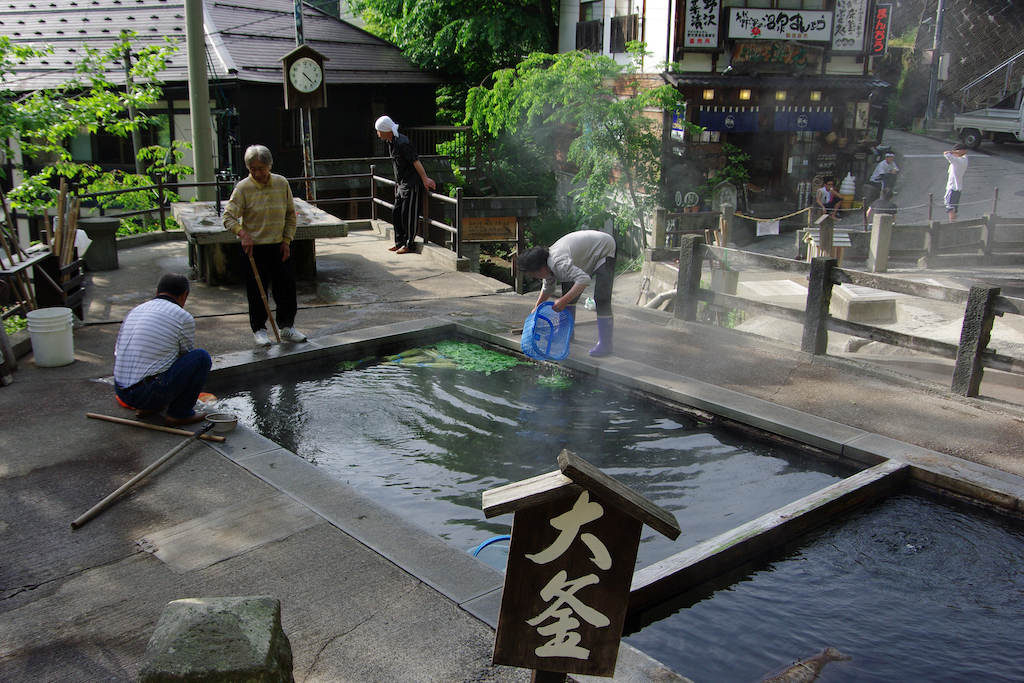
(290,128)
(624,29)
(116,151)
(589,35)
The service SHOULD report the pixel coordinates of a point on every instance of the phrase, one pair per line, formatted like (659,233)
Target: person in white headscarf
(411,179)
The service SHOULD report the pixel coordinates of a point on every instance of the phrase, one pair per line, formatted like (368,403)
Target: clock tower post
(305,89)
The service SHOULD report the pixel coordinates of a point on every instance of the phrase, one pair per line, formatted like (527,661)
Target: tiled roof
(245,40)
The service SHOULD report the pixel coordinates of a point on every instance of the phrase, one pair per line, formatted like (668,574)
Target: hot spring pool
(427,441)
(912,588)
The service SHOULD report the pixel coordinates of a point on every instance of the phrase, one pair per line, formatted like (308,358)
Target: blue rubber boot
(571,310)
(604,337)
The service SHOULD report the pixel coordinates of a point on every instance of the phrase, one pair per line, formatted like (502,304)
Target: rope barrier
(769,220)
(902,209)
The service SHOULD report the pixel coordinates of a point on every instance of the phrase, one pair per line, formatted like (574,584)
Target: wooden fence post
(881,236)
(974,339)
(988,234)
(691,259)
(658,227)
(819,296)
(931,239)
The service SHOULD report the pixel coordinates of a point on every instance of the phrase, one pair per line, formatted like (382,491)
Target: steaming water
(427,442)
(913,589)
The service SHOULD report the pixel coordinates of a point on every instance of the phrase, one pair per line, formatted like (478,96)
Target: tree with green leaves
(465,40)
(43,122)
(616,116)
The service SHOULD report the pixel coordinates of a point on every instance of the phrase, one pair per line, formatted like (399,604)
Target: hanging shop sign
(850,21)
(772,24)
(880,30)
(857,115)
(790,119)
(702,23)
(730,119)
(776,55)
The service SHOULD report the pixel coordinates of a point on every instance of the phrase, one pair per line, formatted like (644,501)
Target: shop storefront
(786,82)
(794,129)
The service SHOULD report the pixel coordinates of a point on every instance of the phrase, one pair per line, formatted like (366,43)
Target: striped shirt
(266,212)
(576,256)
(152,336)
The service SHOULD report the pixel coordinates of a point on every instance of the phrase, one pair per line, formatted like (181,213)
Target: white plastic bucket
(50,330)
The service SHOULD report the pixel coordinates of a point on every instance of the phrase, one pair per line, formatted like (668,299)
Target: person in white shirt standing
(957,158)
(155,362)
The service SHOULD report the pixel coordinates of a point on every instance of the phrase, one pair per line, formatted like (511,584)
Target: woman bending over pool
(576,260)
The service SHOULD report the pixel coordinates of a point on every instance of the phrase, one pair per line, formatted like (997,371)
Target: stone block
(219,640)
(862,304)
(102,253)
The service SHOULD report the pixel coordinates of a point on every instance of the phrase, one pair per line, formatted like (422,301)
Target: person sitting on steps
(827,199)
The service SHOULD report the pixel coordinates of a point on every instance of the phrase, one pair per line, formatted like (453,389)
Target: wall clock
(305,75)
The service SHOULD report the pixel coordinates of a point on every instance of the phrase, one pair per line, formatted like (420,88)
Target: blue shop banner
(803,119)
(730,119)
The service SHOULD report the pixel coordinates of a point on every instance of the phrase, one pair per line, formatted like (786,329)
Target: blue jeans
(177,388)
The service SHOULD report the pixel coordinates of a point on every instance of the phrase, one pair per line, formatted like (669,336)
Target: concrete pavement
(365,596)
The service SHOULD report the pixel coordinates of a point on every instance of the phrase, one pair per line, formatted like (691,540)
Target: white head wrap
(385,124)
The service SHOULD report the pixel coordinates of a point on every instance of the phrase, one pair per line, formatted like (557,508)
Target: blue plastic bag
(546,333)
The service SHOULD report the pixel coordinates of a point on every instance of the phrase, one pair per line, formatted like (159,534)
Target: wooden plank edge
(628,500)
(718,555)
(526,493)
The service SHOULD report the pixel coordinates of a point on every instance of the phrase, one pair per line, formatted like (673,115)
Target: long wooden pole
(263,295)
(61,232)
(98,507)
(72,228)
(158,428)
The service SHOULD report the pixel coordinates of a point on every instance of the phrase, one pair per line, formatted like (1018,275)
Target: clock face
(305,74)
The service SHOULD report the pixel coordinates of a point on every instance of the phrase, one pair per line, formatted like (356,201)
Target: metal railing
(162,191)
(424,219)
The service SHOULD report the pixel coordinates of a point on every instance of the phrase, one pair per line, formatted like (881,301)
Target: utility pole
(199,100)
(933,77)
(305,114)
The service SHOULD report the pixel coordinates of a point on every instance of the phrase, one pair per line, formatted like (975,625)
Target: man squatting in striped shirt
(261,211)
(155,362)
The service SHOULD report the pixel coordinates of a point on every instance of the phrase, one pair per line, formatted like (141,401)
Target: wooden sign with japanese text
(489,229)
(567,582)
(701,29)
(879,33)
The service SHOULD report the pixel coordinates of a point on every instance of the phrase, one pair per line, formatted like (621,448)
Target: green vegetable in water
(456,355)
(555,381)
(353,364)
